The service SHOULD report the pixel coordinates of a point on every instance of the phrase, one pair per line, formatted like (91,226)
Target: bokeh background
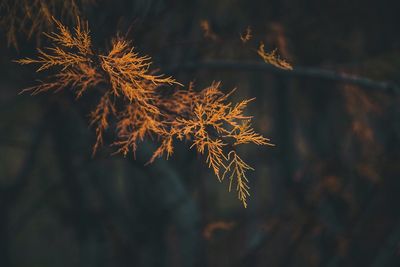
(326,195)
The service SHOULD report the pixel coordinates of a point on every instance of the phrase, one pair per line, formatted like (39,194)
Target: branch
(296,72)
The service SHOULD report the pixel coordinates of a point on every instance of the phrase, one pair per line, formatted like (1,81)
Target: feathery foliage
(132,103)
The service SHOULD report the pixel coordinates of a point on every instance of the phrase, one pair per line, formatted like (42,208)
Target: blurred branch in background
(298,71)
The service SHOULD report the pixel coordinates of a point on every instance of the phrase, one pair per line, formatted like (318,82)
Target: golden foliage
(32,17)
(273,58)
(133,99)
(214,126)
(72,54)
(237,170)
(100,117)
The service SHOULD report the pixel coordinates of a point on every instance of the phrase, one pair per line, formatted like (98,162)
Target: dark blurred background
(326,195)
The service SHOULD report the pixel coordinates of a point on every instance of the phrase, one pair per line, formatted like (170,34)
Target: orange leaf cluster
(72,54)
(134,103)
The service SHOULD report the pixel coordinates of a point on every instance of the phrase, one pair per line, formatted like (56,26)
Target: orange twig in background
(273,58)
(246,36)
